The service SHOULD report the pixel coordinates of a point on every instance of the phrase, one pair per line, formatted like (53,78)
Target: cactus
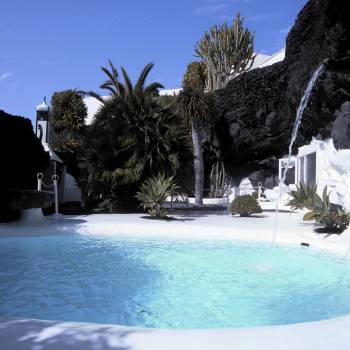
(218,180)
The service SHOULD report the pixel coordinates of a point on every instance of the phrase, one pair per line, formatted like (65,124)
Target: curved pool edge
(18,334)
(39,334)
(292,230)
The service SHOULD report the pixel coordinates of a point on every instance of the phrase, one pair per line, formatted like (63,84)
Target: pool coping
(16,334)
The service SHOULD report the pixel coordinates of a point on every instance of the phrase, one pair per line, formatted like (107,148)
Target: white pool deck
(38,334)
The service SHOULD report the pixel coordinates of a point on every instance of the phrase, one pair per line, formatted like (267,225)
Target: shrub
(335,221)
(153,192)
(320,209)
(218,180)
(245,205)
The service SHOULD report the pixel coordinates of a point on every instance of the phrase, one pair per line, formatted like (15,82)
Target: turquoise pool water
(172,284)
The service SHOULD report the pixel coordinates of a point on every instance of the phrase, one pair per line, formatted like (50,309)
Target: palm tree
(226,51)
(198,110)
(116,88)
(133,137)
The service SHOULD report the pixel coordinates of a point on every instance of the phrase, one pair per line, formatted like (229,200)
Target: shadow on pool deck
(54,335)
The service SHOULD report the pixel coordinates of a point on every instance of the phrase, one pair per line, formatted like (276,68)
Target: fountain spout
(341,65)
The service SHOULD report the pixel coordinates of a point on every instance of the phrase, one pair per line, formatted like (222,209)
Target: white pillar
(279,170)
(55,179)
(259,191)
(305,171)
(39,176)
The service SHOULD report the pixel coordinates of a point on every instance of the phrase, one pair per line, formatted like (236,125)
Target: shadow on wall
(53,335)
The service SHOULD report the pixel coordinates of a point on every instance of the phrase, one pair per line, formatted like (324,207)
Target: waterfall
(298,119)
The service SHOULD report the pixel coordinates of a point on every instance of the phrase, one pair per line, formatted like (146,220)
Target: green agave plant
(320,209)
(153,192)
(303,197)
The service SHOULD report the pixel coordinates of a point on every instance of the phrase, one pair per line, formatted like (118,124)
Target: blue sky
(47,46)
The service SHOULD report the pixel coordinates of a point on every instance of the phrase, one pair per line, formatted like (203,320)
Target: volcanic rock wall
(259,107)
(21,158)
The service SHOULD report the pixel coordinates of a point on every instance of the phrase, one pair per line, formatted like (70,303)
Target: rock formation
(22,157)
(259,107)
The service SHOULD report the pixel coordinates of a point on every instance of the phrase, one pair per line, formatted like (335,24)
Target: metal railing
(54,184)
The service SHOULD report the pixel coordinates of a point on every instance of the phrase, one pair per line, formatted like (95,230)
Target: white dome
(43,107)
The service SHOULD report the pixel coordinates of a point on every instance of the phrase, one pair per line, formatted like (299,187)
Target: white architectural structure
(319,163)
(93,104)
(260,61)
(245,187)
(282,165)
(68,190)
(171,92)
(276,57)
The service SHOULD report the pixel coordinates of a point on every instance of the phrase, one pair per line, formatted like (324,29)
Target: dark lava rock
(27,199)
(341,127)
(22,157)
(259,107)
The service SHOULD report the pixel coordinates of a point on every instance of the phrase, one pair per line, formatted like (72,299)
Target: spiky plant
(226,51)
(335,220)
(116,88)
(303,196)
(153,193)
(318,206)
(195,76)
(218,180)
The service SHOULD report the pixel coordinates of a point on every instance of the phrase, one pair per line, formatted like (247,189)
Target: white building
(260,61)
(270,60)
(68,189)
(321,164)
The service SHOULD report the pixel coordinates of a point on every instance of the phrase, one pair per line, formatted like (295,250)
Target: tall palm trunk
(198,164)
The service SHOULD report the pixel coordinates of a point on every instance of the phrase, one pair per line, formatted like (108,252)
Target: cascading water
(299,116)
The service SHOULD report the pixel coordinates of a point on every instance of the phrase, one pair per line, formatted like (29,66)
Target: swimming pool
(169,283)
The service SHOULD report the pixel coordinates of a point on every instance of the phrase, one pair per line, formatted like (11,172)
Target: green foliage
(218,180)
(245,205)
(153,192)
(195,76)
(197,107)
(226,51)
(68,111)
(67,125)
(335,221)
(134,136)
(168,101)
(126,89)
(303,197)
(320,208)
